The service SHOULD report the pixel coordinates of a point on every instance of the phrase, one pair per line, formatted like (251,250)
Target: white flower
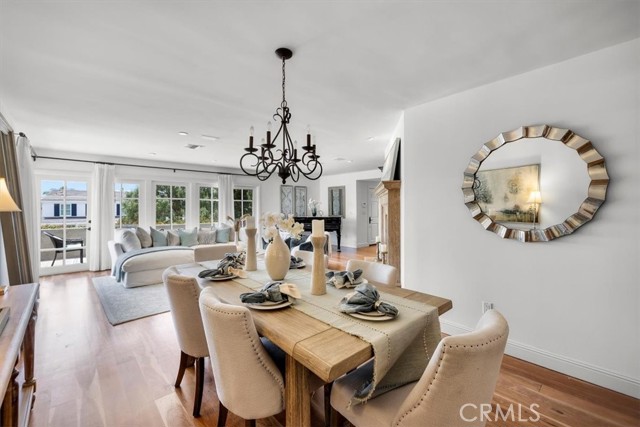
(274,222)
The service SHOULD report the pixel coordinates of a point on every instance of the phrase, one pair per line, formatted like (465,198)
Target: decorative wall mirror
(529,191)
(286,199)
(336,201)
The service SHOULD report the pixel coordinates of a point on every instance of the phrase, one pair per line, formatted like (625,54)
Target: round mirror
(529,190)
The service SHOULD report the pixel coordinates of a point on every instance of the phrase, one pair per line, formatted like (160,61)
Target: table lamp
(536,200)
(6,205)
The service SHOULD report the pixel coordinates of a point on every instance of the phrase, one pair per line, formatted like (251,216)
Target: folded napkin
(237,257)
(365,298)
(229,265)
(294,262)
(344,279)
(272,291)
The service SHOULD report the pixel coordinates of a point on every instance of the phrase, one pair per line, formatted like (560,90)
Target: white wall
(350,182)
(572,304)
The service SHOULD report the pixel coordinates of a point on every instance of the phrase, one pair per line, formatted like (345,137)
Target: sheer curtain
(102,216)
(29,200)
(225,188)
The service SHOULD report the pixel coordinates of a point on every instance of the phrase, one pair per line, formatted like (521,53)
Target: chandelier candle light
(285,160)
(318,279)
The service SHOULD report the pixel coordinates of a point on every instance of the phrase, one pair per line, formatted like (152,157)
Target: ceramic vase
(277,258)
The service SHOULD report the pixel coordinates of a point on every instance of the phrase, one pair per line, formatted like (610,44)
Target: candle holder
(378,255)
(318,279)
(250,263)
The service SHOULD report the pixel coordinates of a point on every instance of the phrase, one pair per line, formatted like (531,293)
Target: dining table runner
(402,347)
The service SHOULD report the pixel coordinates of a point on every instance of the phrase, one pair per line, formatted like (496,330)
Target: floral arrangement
(313,206)
(274,222)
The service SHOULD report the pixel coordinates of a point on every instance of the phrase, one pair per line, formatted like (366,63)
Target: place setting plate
(374,316)
(221,278)
(269,305)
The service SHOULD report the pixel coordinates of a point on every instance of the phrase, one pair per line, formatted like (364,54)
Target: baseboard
(575,368)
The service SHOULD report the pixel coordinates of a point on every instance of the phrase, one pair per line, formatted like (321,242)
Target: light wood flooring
(90,373)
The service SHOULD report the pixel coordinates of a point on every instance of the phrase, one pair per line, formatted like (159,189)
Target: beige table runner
(402,347)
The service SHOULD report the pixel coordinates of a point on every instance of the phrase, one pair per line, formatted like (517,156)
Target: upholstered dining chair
(183,293)
(248,382)
(459,378)
(307,257)
(375,272)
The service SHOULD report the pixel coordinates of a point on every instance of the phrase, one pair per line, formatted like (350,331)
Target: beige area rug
(122,304)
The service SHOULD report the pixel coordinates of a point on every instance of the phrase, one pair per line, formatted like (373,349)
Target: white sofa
(135,265)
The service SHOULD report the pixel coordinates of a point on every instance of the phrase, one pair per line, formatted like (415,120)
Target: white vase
(277,258)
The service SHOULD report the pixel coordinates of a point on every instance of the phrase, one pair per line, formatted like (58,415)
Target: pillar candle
(317,227)
(383,248)
(250,223)
(377,239)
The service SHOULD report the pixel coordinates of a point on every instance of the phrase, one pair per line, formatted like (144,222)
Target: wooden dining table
(312,347)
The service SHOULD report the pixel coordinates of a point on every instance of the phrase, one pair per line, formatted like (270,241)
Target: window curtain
(102,216)
(225,189)
(29,200)
(14,235)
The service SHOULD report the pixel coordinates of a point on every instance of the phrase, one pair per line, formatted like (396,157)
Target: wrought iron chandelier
(285,160)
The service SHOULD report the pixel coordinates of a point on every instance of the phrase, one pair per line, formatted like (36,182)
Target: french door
(64,224)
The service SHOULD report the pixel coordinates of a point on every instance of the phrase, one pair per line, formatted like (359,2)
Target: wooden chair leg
(336,418)
(249,423)
(199,386)
(222,415)
(327,405)
(184,363)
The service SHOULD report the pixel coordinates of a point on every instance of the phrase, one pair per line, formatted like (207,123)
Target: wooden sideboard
(331,223)
(17,382)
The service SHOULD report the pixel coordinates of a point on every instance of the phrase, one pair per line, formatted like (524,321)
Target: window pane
(205,212)
(237,194)
(247,208)
(162,212)
(205,192)
(178,208)
(214,192)
(129,212)
(131,191)
(214,213)
(162,191)
(247,194)
(237,209)
(179,191)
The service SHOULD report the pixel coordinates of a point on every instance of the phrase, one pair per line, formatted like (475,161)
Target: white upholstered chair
(375,272)
(307,257)
(460,377)
(248,382)
(183,293)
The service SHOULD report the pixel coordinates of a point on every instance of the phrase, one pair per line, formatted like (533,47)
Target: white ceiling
(123,78)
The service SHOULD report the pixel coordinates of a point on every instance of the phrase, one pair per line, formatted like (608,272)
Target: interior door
(64,204)
(373,216)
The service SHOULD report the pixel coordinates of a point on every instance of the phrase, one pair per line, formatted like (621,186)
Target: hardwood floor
(93,374)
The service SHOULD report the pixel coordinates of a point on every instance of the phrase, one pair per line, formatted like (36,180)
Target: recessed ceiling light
(210,137)
(370,138)
(183,133)
(153,154)
(193,146)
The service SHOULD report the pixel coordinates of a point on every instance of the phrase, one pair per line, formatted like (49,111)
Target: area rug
(122,304)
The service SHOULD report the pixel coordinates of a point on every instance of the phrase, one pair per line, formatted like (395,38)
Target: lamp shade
(535,197)
(6,201)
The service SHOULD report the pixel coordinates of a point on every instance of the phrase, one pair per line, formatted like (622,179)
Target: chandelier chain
(283,80)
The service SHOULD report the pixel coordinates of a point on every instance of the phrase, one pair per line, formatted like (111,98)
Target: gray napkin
(294,262)
(230,260)
(365,298)
(269,292)
(344,279)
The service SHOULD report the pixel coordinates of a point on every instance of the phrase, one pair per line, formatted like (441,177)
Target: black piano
(331,223)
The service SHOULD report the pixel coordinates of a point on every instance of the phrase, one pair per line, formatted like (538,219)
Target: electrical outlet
(486,306)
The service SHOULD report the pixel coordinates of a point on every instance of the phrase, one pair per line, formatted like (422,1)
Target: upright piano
(331,223)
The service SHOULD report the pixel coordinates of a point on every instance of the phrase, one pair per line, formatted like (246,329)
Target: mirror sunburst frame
(583,147)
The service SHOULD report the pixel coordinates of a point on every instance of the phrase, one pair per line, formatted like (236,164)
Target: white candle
(377,239)
(383,248)
(317,227)
(250,223)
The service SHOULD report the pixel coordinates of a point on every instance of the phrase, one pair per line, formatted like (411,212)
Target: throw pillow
(188,238)
(158,237)
(223,234)
(144,236)
(173,239)
(128,239)
(207,237)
